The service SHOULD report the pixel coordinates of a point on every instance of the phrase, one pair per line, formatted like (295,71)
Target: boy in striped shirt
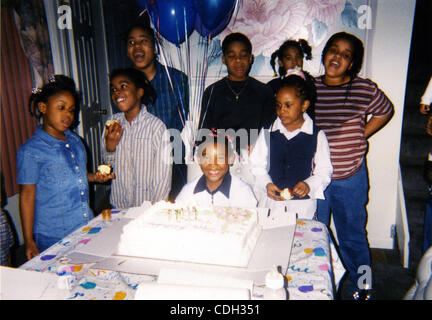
(136,144)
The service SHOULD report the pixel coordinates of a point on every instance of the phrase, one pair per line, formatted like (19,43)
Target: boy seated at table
(217,187)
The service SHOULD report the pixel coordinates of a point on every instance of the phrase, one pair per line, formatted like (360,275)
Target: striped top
(341,111)
(141,162)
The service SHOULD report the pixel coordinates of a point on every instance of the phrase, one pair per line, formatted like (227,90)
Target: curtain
(17,125)
(26,63)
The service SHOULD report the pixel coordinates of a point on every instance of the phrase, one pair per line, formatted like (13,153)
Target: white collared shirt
(260,156)
(240,195)
(427,95)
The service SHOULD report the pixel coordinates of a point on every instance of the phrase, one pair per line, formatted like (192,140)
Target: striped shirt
(141,162)
(341,112)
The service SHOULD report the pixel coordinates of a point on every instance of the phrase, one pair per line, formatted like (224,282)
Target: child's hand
(424,108)
(273,192)
(429,124)
(301,189)
(100,177)
(113,134)
(31,250)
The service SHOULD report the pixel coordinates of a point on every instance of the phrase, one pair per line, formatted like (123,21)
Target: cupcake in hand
(102,175)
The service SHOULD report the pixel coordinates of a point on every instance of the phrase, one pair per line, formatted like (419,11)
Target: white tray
(273,248)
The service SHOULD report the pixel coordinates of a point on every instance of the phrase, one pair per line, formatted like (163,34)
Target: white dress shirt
(232,193)
(427,95)
(317,182)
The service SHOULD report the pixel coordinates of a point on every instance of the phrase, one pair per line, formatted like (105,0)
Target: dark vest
(291,161)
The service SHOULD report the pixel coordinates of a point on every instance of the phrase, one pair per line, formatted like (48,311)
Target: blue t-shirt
(59,170)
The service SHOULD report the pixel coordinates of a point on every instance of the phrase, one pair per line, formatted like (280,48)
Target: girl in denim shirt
(52,170)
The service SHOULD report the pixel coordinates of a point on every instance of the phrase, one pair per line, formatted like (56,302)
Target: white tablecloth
(314,270)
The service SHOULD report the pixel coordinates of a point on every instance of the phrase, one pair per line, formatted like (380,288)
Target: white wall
(387,63)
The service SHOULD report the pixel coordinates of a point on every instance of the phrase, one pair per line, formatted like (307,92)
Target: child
(238,101)
(217,187)
(426,99)
(136,143)
(6,239)
(171,87)
(52,170)
(425,102)
(344,101)
(427,224)
(290,55)
(293,153)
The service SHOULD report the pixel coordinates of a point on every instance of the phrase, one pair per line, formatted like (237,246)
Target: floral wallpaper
(33,33)
(268,23)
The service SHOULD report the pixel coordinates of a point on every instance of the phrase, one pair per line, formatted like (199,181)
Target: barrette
(36,90)
(217,132)
(52,78)
(296,71)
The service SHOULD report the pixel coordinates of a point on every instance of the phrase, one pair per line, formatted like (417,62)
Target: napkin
(162,291)
(189,277)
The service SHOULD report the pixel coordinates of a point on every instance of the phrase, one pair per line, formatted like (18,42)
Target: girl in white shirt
(292,154)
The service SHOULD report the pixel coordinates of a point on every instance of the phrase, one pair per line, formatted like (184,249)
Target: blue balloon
(173,19)
(202,30)
(213,12)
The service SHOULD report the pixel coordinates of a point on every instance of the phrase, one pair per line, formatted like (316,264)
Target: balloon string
(142,12)
(196,75)
(204,75)
(167,61)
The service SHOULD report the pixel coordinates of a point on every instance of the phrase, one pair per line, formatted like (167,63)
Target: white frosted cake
(214,235)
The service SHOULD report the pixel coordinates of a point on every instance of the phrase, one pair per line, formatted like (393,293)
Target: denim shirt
(58,169)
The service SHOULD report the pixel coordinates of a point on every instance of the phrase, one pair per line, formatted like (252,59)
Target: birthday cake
(215,235)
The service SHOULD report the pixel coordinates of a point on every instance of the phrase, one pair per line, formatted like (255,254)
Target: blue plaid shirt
(171,101)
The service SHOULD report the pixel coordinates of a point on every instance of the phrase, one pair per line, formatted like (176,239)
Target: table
(314,271)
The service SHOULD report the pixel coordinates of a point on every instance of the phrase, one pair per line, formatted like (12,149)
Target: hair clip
(296,71)
(213,133)
(36,90)
(218,132)
(52,78)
